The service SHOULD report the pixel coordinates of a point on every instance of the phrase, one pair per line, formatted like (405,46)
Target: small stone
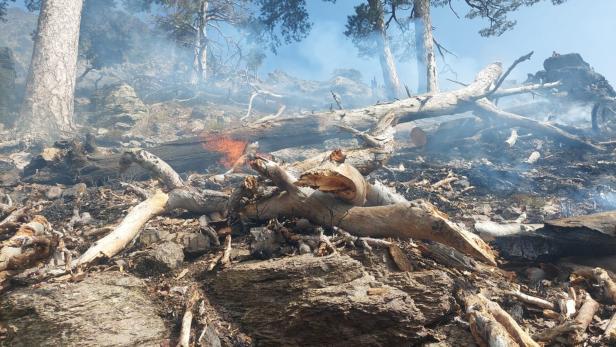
(535,274)
(75,192)
(54,193)
(265,242)
(159,259)
(303,225)
(304,248)
(84,219)
(150,236)
(209,338)
(195,243)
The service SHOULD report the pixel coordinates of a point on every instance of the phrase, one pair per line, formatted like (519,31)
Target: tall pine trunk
(199,73)
(48,105)
(386,58)
(426,60)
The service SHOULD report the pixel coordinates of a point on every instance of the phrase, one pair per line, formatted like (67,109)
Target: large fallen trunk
(197,154)
(591,235)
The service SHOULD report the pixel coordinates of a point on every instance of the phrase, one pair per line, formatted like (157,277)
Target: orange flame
(231,149)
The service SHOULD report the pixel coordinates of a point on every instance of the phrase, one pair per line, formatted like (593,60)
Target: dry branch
(584,317)
(533,300)
(572,331)
(225,260)
(406,220)
(184,339)
(488,332)
(502,326)
(525,89)
(487,109)
(610,331)
(180,197)
(159,169)
(605,281)
(128,229)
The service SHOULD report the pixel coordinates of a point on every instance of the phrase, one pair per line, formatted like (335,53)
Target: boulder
(150,236)
(264,242)
(193,243)
(105,309)
(118,106)
(577,77)
(159,259)
(330,301)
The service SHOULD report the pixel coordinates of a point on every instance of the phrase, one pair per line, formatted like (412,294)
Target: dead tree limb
(303,130)
(572,331)
(159,203)
(486,109)
(525,89)
(128,229)
(605,281)
(193,298)
(502,326)
(525,298)
(502,78)
(610,331)
(405,220)
(159,169)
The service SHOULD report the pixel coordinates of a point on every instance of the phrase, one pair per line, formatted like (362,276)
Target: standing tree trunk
(199,73)
(386,58)
(426,60)
(47,108)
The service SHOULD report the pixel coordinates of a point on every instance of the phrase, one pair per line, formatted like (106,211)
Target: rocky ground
(276,292)
(291,283)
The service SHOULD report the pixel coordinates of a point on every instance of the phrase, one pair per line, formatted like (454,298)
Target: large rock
(118,105)
(330,301)
(159,259)
(346,84)
(7,86)
(105,309)
(577,77)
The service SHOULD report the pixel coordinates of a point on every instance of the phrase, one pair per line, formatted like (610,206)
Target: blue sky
(576,26)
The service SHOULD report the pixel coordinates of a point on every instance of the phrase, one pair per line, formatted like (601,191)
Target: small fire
(231,149)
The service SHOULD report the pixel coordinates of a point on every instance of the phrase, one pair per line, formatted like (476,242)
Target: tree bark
(199,73)
(386,58)
(426,60)
(47,109)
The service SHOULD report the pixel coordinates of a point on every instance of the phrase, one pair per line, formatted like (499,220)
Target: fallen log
(418,219)
(197,154)
(590,235)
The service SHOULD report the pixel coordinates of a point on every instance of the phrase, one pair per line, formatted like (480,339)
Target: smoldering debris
(422,231)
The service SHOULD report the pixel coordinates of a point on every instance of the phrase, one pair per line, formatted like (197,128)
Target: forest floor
(274,292)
